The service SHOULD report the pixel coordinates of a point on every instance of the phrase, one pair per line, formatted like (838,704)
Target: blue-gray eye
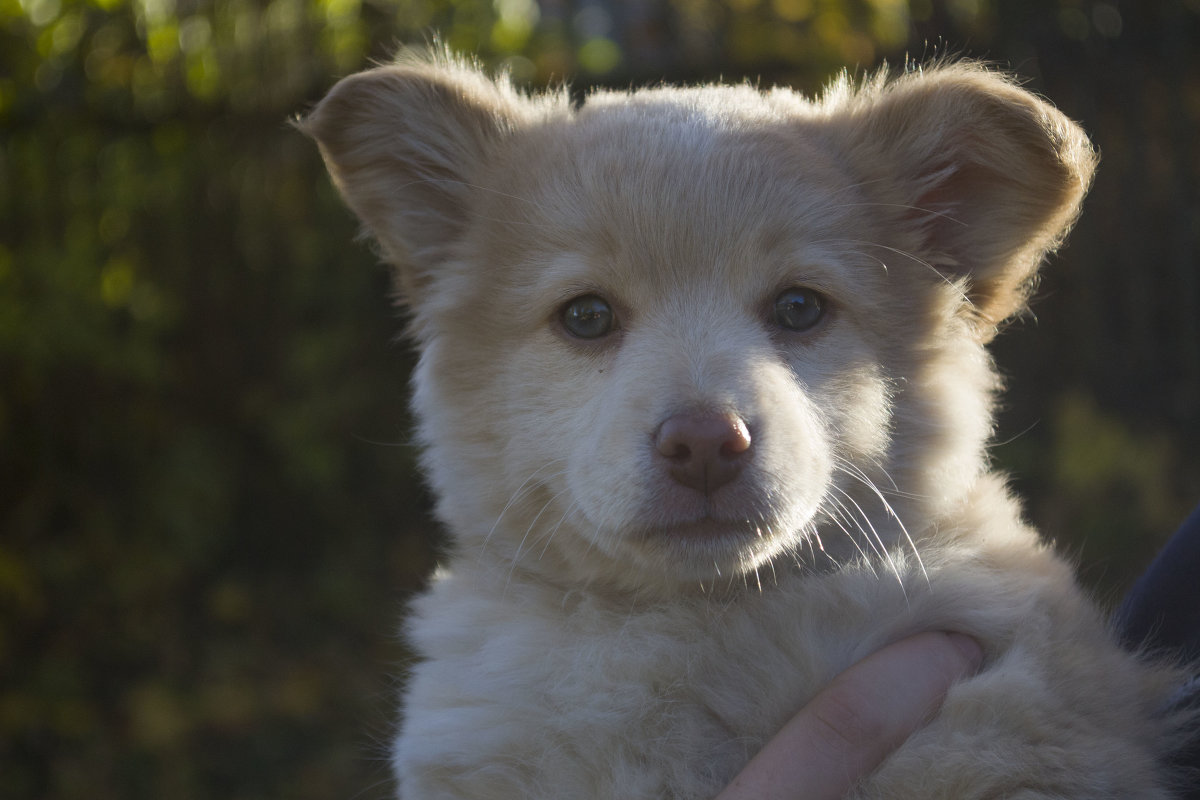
(799,309)
(588,317)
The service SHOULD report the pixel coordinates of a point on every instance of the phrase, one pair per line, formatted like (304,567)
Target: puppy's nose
(703,451)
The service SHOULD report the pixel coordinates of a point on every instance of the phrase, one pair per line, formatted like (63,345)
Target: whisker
(859,471)
(843,515)
(863,478)
(881,548)
(1019,435)
(569,510)
(516,556)
(946,215)
(911,256)
(874,539)
(518,495)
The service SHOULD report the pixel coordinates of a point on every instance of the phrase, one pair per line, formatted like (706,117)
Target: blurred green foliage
(208,510)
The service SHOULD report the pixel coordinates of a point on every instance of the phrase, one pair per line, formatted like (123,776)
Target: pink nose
(703,450)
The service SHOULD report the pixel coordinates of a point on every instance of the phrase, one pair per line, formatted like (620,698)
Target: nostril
(675,450)
(704,450)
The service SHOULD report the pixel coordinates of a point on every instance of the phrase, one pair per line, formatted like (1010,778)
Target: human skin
(855,722)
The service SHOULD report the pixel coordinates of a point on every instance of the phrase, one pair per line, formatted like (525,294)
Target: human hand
(855,722)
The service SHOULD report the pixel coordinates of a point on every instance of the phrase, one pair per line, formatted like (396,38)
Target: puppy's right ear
(403,144)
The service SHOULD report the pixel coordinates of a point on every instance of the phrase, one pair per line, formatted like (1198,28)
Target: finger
(854,723)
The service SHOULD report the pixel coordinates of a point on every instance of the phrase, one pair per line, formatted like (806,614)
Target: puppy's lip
(706,529)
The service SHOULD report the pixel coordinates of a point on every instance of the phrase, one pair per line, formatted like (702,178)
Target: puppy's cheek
(860,409)
(795,466)
(605,470)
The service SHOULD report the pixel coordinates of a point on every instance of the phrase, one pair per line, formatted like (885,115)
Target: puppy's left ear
(991,176)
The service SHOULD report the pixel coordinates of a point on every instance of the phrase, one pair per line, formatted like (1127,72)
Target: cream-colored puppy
(703,397)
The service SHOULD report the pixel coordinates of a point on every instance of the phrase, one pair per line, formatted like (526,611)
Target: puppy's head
(673,334)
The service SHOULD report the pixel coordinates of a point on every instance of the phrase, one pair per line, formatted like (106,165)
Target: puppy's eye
(588,317)
(799,309)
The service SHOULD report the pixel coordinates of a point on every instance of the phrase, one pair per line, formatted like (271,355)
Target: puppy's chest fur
(529,691)
(557,692)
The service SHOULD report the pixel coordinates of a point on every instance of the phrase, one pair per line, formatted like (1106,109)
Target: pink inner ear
(978,226)
(940,208)
(993,176)
(400,142)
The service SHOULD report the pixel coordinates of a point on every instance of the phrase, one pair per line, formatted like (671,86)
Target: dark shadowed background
(208,514)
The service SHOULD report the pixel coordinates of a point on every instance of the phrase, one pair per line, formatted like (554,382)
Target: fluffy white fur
(605,629)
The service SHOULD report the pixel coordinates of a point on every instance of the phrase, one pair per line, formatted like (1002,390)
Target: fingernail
(971,650)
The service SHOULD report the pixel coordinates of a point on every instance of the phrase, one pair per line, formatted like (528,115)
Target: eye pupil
(588,317)
(799,309)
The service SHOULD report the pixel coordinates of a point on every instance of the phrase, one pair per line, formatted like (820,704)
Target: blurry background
(208,513)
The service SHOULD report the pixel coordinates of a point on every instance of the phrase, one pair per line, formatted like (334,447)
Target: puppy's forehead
(656,192)
(640,162)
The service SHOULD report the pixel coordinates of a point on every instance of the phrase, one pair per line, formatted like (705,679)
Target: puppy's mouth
(706,529)
(708,538)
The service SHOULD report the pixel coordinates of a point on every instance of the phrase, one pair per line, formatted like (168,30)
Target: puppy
(703,396)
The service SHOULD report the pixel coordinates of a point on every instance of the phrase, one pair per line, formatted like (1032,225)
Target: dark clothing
(1162,611)
(1162,615)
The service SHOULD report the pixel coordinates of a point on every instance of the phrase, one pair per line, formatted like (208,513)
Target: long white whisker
(570,509)
(858,471)
(863,478)
(885,556)
(518,495)
(946,215)
(911,256)
(516,556)
(838,515)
